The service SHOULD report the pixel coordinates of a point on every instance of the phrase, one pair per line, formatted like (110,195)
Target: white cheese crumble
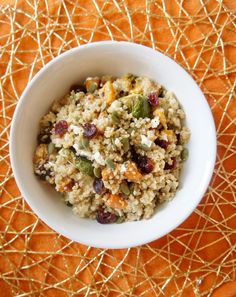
(155,122)
(114,106)
(75,129)
(146,141)
(122,168)
(163,136)
(82,153)
(117,142)
(99,159)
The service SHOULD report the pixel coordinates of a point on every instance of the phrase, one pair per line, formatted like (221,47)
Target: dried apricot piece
(132,173)
(109,92)
(107,174)
(116,201)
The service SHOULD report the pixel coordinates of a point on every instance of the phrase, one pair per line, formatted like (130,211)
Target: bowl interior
(115,58)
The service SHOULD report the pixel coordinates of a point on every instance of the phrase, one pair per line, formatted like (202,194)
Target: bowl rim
(56,227)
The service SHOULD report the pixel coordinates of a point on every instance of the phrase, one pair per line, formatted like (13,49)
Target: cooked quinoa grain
(114,148)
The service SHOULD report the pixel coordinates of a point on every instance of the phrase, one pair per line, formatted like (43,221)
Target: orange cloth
(196,259)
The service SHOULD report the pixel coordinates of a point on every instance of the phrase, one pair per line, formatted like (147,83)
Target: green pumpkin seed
(131,187)
(124,188)
(115,117)
(184,154)
(125,143)
(83,144)
(51,147)
(141,109)
(120,220)
(110,163)
(130,130)
(92,87)
(97,172)
(129,101)
(85,166)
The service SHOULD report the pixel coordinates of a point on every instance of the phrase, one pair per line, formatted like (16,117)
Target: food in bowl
(114,147)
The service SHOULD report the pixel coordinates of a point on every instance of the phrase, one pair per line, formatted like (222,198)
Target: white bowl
(115,58)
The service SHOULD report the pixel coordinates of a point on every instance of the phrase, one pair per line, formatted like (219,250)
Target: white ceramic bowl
(115,58)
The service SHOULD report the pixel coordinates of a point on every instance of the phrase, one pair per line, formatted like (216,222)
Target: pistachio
(85,166)
(110,163)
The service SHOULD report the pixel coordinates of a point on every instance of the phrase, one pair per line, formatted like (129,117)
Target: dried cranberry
(89,130)
(78,88)
(105,217)
(98,186)
(145,164)
(61,128)
(69,186)
(162,143)
(172,165)
(153,99)
(134,155)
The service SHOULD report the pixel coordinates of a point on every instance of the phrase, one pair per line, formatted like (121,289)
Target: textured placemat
(198,258)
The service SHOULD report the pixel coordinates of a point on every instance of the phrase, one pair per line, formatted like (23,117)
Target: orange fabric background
(196,259)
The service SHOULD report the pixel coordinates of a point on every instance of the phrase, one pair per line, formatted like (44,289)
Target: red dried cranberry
(78,88)
(145,164)
(105,217)
(162,143)
(98,186)
(172,165)
(61,128)
(69,186)
(89,130)
(153,99)
(134,155)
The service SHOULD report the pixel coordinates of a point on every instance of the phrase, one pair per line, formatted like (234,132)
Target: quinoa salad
(113,147)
